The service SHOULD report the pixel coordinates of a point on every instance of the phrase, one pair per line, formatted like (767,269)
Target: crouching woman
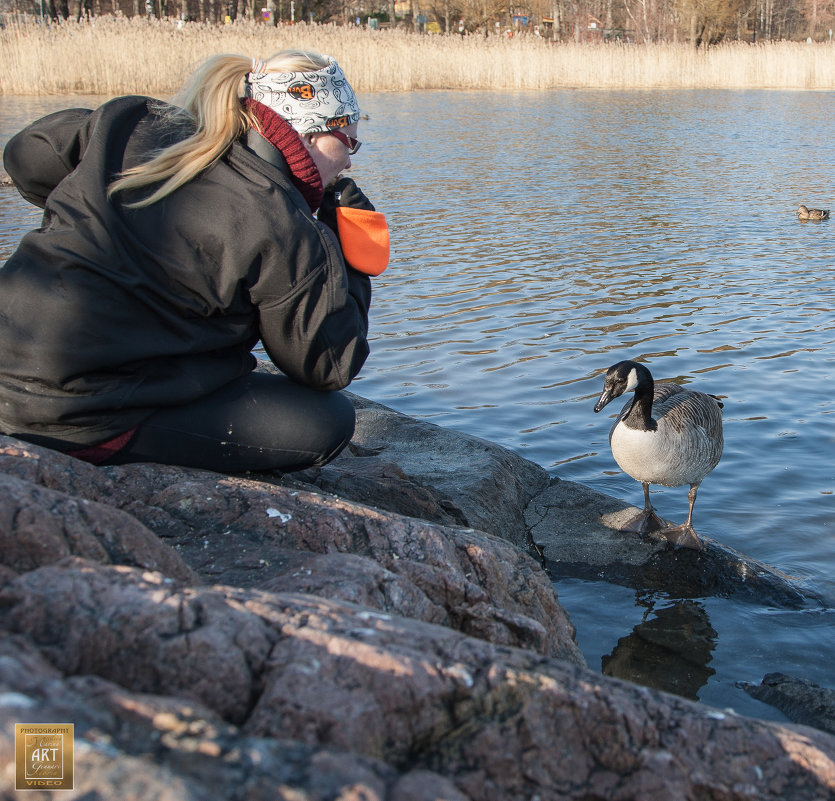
(175,237)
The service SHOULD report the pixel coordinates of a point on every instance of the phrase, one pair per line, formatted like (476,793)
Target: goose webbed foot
(682,536)
(645,523)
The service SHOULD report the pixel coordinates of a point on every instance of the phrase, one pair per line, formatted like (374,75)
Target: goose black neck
(640,412)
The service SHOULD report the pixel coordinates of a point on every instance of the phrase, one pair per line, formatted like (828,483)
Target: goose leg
(647,520)
(684,536)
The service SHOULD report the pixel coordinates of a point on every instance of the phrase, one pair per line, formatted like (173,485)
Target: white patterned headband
(312,102)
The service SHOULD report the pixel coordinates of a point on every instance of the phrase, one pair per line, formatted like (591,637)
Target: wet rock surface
(375,629)
(577,530)
(800,700)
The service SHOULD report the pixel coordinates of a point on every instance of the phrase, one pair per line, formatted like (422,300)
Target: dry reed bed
(110,57)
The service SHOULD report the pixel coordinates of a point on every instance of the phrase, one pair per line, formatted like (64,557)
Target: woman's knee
(338,426)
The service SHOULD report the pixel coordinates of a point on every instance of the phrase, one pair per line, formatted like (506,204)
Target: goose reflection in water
(670,650)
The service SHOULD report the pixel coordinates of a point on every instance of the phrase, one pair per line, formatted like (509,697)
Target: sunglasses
(352,144)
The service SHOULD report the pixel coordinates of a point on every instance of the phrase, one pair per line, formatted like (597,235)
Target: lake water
(540,237)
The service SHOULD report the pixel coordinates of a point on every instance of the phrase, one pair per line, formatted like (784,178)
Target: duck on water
(665,434)
(805,213)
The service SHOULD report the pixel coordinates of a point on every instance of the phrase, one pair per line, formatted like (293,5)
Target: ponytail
(211,98)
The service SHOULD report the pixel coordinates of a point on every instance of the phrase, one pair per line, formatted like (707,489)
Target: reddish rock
(248,533)
(39,526)
(54,470)
(244,532)
(498,722)
(137,746)
(370,644)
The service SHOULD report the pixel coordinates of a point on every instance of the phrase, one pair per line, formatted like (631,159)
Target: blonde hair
(211,97)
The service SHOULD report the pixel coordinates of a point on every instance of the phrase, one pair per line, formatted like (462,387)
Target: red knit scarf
(303,170)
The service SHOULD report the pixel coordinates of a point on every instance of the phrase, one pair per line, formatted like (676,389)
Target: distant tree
(479,15)
(708,21)
(651,19)
(818,17)
(778,19)
(445,11)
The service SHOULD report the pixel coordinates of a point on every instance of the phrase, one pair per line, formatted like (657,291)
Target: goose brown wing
(694,421)
(687,408)
(662,392)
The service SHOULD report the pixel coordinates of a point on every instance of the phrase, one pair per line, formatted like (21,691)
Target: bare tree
(644,16)
(708,21)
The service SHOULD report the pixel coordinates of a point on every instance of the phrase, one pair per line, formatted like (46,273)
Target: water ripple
(599,226)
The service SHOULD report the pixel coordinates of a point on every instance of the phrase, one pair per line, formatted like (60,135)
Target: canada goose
(812,214)
(680,445)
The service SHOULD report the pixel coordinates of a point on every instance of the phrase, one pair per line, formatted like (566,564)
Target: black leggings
(259,422)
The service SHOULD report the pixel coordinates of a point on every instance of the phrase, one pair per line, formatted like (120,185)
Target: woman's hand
(344,193)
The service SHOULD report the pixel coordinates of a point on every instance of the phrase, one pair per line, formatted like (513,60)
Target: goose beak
(604,399)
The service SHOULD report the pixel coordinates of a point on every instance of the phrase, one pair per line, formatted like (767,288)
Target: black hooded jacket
(108,313)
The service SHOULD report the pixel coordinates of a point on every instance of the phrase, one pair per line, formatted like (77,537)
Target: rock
(243,532)
(359,631)
(246,533)
(577,528)
(373,481)
(461,479)
(217,669)
(134,745)
(800,700)
(54,470)
(39,526)
(480,483)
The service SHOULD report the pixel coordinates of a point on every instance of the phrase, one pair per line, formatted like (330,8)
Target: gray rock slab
(483,485)
(476,483)
(576,528)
